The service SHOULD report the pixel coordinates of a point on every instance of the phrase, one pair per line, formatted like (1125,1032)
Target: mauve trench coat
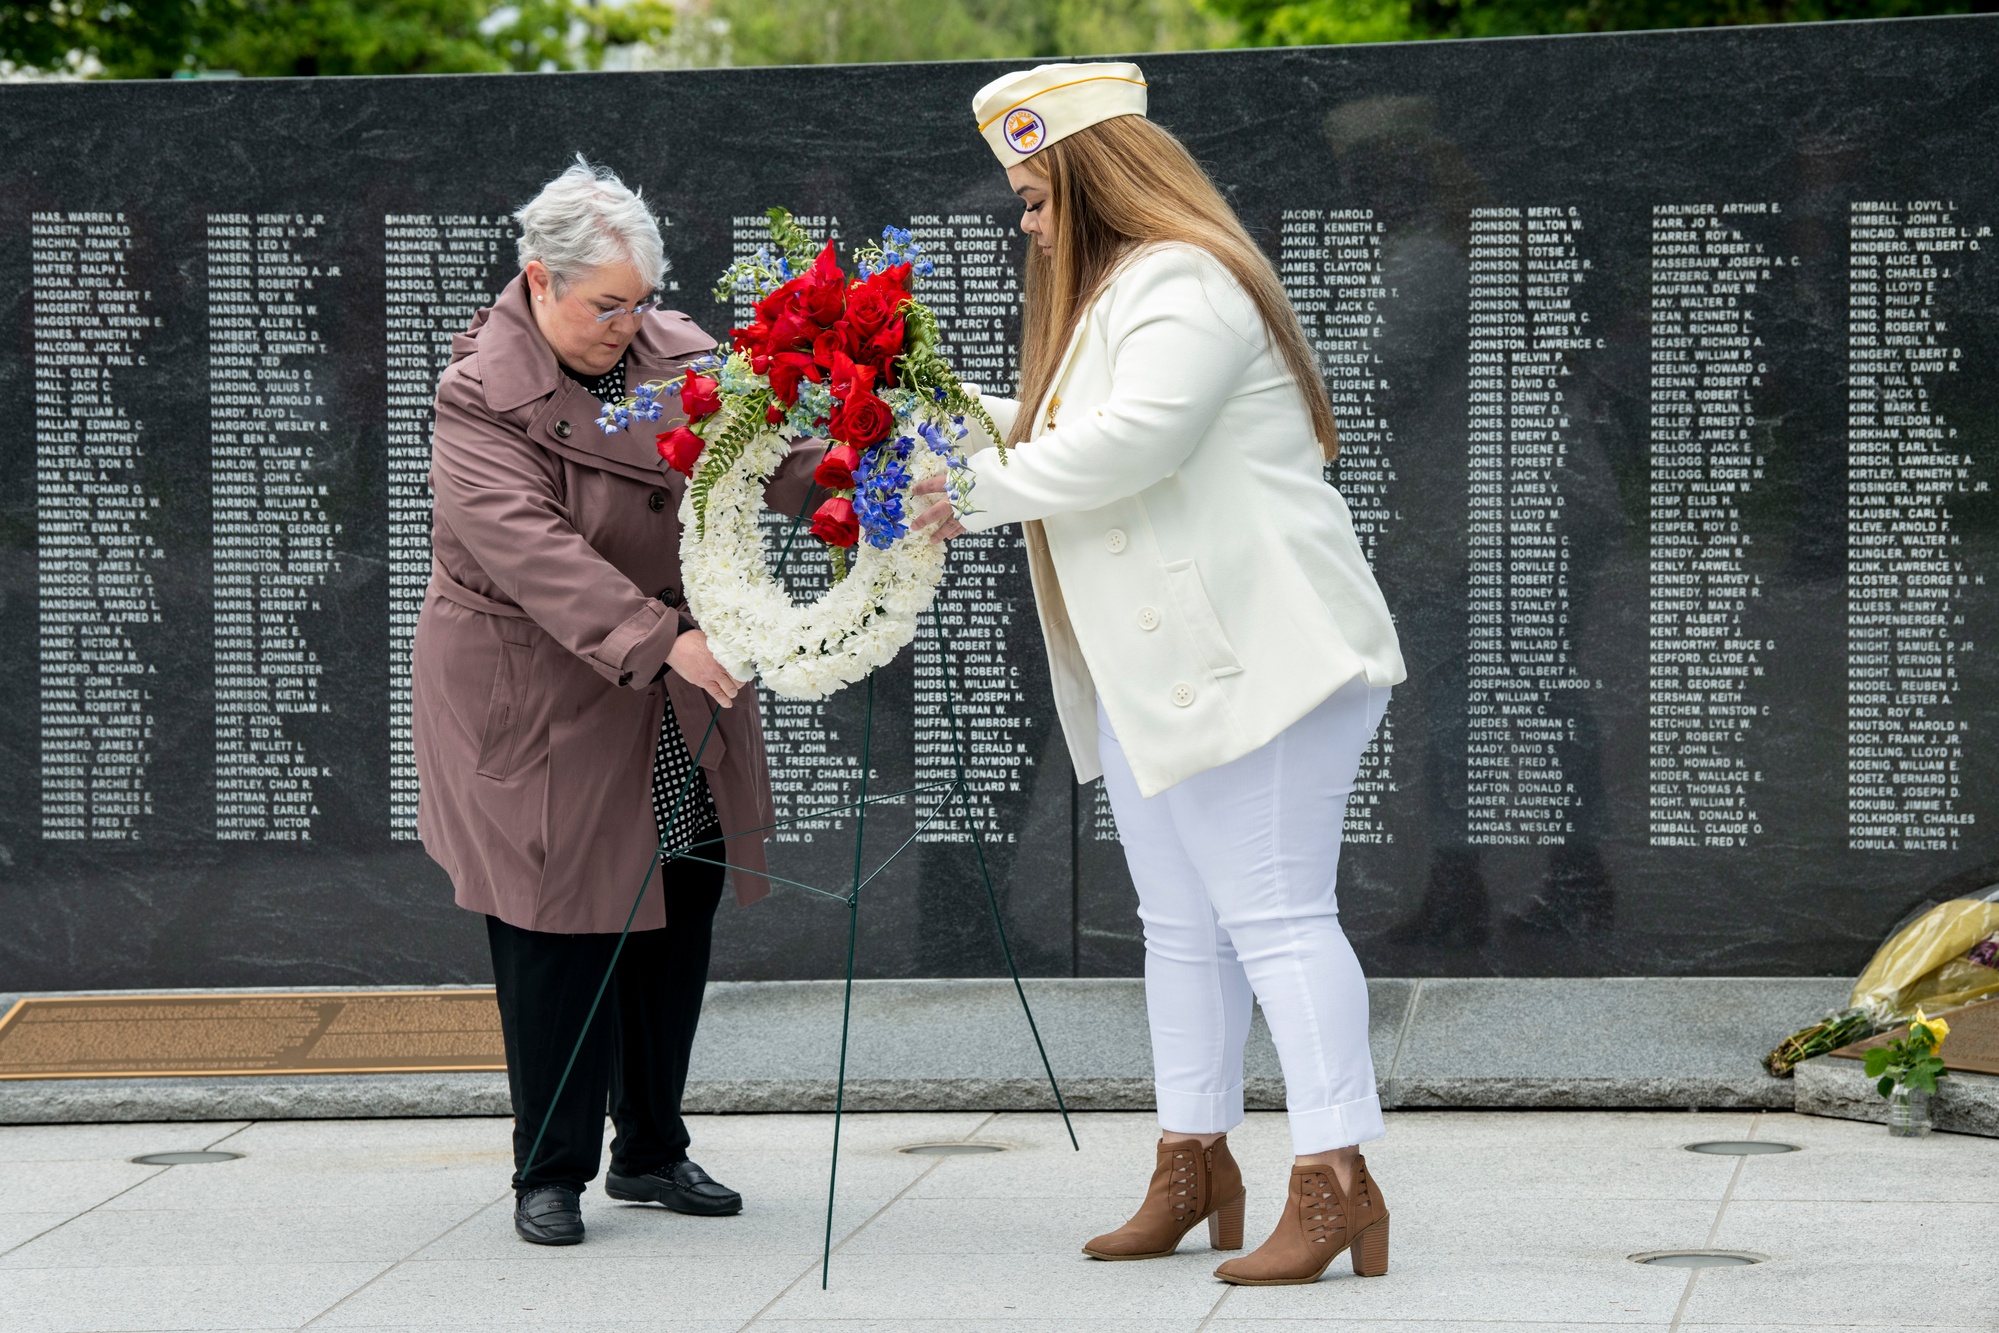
(536,715)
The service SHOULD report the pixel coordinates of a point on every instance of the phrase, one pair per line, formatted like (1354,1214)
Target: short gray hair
(586,218)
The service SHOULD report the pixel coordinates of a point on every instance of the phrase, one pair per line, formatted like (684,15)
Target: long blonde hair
(1125,182)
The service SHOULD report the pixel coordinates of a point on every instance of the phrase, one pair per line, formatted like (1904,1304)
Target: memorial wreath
(854,360)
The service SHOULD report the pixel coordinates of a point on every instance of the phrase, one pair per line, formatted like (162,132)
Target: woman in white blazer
(1220,651)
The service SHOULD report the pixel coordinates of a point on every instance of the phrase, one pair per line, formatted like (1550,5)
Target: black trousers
(635,1054)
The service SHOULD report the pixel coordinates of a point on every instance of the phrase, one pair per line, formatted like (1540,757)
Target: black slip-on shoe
(683,1187)
(550,1215)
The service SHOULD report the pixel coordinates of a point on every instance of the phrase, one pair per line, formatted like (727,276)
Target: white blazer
(1190,563)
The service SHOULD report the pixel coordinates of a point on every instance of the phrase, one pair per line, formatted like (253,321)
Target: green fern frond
(790,238)
(746,419)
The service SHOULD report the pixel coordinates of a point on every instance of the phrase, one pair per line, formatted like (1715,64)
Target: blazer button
(1115,540)
(562,429)
(1183,694)
(1148,618)
(655,502)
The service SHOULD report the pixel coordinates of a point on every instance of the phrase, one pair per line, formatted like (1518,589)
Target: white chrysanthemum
(801,651)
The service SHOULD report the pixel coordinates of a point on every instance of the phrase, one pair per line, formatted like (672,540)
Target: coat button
(1115,540)
(1183,694)
(655,502)
(562,429)
(1148,618)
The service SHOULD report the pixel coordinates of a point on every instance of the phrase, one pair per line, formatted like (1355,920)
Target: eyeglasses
(650,303)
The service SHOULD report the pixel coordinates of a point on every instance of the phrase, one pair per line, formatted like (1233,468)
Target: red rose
(823,294)
(836,341)
(834,523)
(786,370)
(681,448)
(836,470)
(791,331)
(875,301)
(753,338)
(861,418)
(848,377)
(871,306)
(700,396)
(773,414)
(882,350)
(780,297)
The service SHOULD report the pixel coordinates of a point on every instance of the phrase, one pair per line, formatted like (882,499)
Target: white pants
(1235,869)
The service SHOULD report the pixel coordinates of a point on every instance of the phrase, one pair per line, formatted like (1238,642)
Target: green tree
(814,32)
(138,39)
(1304,22)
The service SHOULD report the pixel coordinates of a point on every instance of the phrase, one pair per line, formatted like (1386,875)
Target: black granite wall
(1666,364)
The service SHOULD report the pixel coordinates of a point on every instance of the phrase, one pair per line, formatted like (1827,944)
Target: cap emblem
(1024,130)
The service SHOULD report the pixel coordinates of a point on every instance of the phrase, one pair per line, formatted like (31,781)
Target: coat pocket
(1204,627)
(506,744)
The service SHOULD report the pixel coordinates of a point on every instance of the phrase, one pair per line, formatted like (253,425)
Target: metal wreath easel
(945,792)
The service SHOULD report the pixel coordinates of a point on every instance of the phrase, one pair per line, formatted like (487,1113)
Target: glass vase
(1908,1112)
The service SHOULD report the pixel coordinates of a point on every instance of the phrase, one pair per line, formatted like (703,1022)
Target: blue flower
(645,403)
(934,437)
(879,482)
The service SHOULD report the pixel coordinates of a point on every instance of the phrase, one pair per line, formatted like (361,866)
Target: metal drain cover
(1699,1258)
(185,1158)
(950,1149)
(1741,1147)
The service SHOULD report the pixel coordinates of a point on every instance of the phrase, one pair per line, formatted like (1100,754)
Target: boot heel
(1370,1250)
(1225,1224)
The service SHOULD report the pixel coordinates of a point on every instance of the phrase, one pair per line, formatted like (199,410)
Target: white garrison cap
(1024,112)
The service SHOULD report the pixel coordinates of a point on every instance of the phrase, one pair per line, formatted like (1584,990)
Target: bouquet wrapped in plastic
(1938,958)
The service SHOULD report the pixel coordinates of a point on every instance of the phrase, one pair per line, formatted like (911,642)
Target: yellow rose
(1935,1028)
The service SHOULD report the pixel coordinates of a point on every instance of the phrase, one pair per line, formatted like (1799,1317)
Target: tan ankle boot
(1319,1221)
(1188,1183)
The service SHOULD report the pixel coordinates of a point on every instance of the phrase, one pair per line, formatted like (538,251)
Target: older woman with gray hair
(569,718)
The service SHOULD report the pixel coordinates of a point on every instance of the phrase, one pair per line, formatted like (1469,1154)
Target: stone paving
(1504,1220)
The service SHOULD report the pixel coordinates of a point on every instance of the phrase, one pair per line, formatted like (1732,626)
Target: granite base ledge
(960,1044)
(1837,1087)
(1754,1092)
(76,1101)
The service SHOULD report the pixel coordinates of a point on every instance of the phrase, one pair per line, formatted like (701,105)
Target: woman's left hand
(941,513)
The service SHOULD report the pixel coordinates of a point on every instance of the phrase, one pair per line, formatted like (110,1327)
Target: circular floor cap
(1699,1258)
(1741,1147)
(185,1158)
(951,1149)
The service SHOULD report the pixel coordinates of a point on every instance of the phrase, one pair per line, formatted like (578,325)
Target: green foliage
(791,239)
(1831,1034)
(923,367)
(1305,22)
(1911,1059)
(746,421)
(817,32)
(139,39)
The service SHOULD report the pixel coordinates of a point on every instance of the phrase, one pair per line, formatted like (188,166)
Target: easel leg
(847,1004)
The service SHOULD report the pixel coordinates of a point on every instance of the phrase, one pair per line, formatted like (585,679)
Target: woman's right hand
(941,514)
(690,660)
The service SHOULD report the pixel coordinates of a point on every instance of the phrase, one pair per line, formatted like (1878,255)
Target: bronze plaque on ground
(140,1036)
(1972,1046)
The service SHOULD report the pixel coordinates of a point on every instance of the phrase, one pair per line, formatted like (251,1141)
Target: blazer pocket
(505,745)
(1204,627)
